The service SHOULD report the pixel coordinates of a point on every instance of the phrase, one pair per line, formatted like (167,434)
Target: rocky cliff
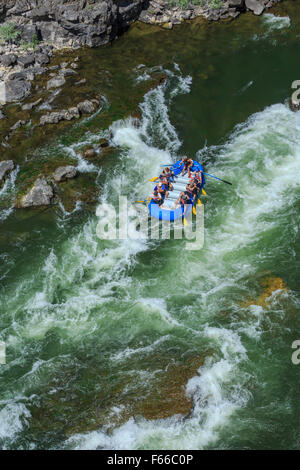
(77,23)
(71,23)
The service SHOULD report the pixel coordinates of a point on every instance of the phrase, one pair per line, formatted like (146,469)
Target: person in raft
(162,191)
(195,189)
(187,165)
(166,183)
(197,177)
(157,198)
(170,175)
(184,197)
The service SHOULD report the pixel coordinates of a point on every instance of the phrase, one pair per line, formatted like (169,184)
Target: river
(142,344)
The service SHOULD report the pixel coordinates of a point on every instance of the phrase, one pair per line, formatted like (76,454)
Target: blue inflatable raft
(167,211)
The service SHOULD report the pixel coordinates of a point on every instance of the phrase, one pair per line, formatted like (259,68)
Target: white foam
(13,418)
(276,22)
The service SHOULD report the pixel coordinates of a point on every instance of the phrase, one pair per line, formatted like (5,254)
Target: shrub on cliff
(8,33)
(215,4)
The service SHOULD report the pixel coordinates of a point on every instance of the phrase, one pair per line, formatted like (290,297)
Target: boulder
(64,173)
(6,166)
(72,113)
(26,60)
(57,116)
(56,82)
(2,115)
(29,32)
(42,59)
(255,5)
(89,153)
(40,195)
(17,89)
(86,107)
(240,4)
(8,60)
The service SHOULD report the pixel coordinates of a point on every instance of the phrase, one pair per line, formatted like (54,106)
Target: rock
(2,115)
(29,32)
(240,4)
(56,82)
(17,89)
(40,195)
(81,82)
(72,113)
(42,59)
(167,25)
(8,60)
(56,117)
(89,153)
(6,166)
(104,143)
(52,118)
(255,5)
(30,106)
(17,125)
(26,60)
(86,107)
(233,13)
(64,172)
(67,72)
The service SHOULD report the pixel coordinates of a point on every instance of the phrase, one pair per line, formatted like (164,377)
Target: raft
(167,211)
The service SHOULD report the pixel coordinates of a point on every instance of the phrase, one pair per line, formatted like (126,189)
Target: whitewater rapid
(89,287)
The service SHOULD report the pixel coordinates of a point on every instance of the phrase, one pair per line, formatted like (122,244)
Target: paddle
(144,200)
(215,177)
(154,179)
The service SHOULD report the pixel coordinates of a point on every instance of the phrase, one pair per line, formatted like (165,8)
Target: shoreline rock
(6,167)
(41,194)
(64,173)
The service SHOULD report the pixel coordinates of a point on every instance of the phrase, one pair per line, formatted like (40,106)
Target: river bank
(30,34)
(141,344)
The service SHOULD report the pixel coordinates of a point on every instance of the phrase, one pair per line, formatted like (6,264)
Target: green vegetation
(32,44)
(215,4)
(184,3)
(8,33)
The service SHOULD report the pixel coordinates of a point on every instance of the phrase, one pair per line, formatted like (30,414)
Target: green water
(108,342)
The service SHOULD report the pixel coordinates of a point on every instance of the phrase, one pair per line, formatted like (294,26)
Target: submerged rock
(64,172)
(270,285)
(56,82)
(89,153)
(86,107)
(40,195)
(57,116)
(6,167)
